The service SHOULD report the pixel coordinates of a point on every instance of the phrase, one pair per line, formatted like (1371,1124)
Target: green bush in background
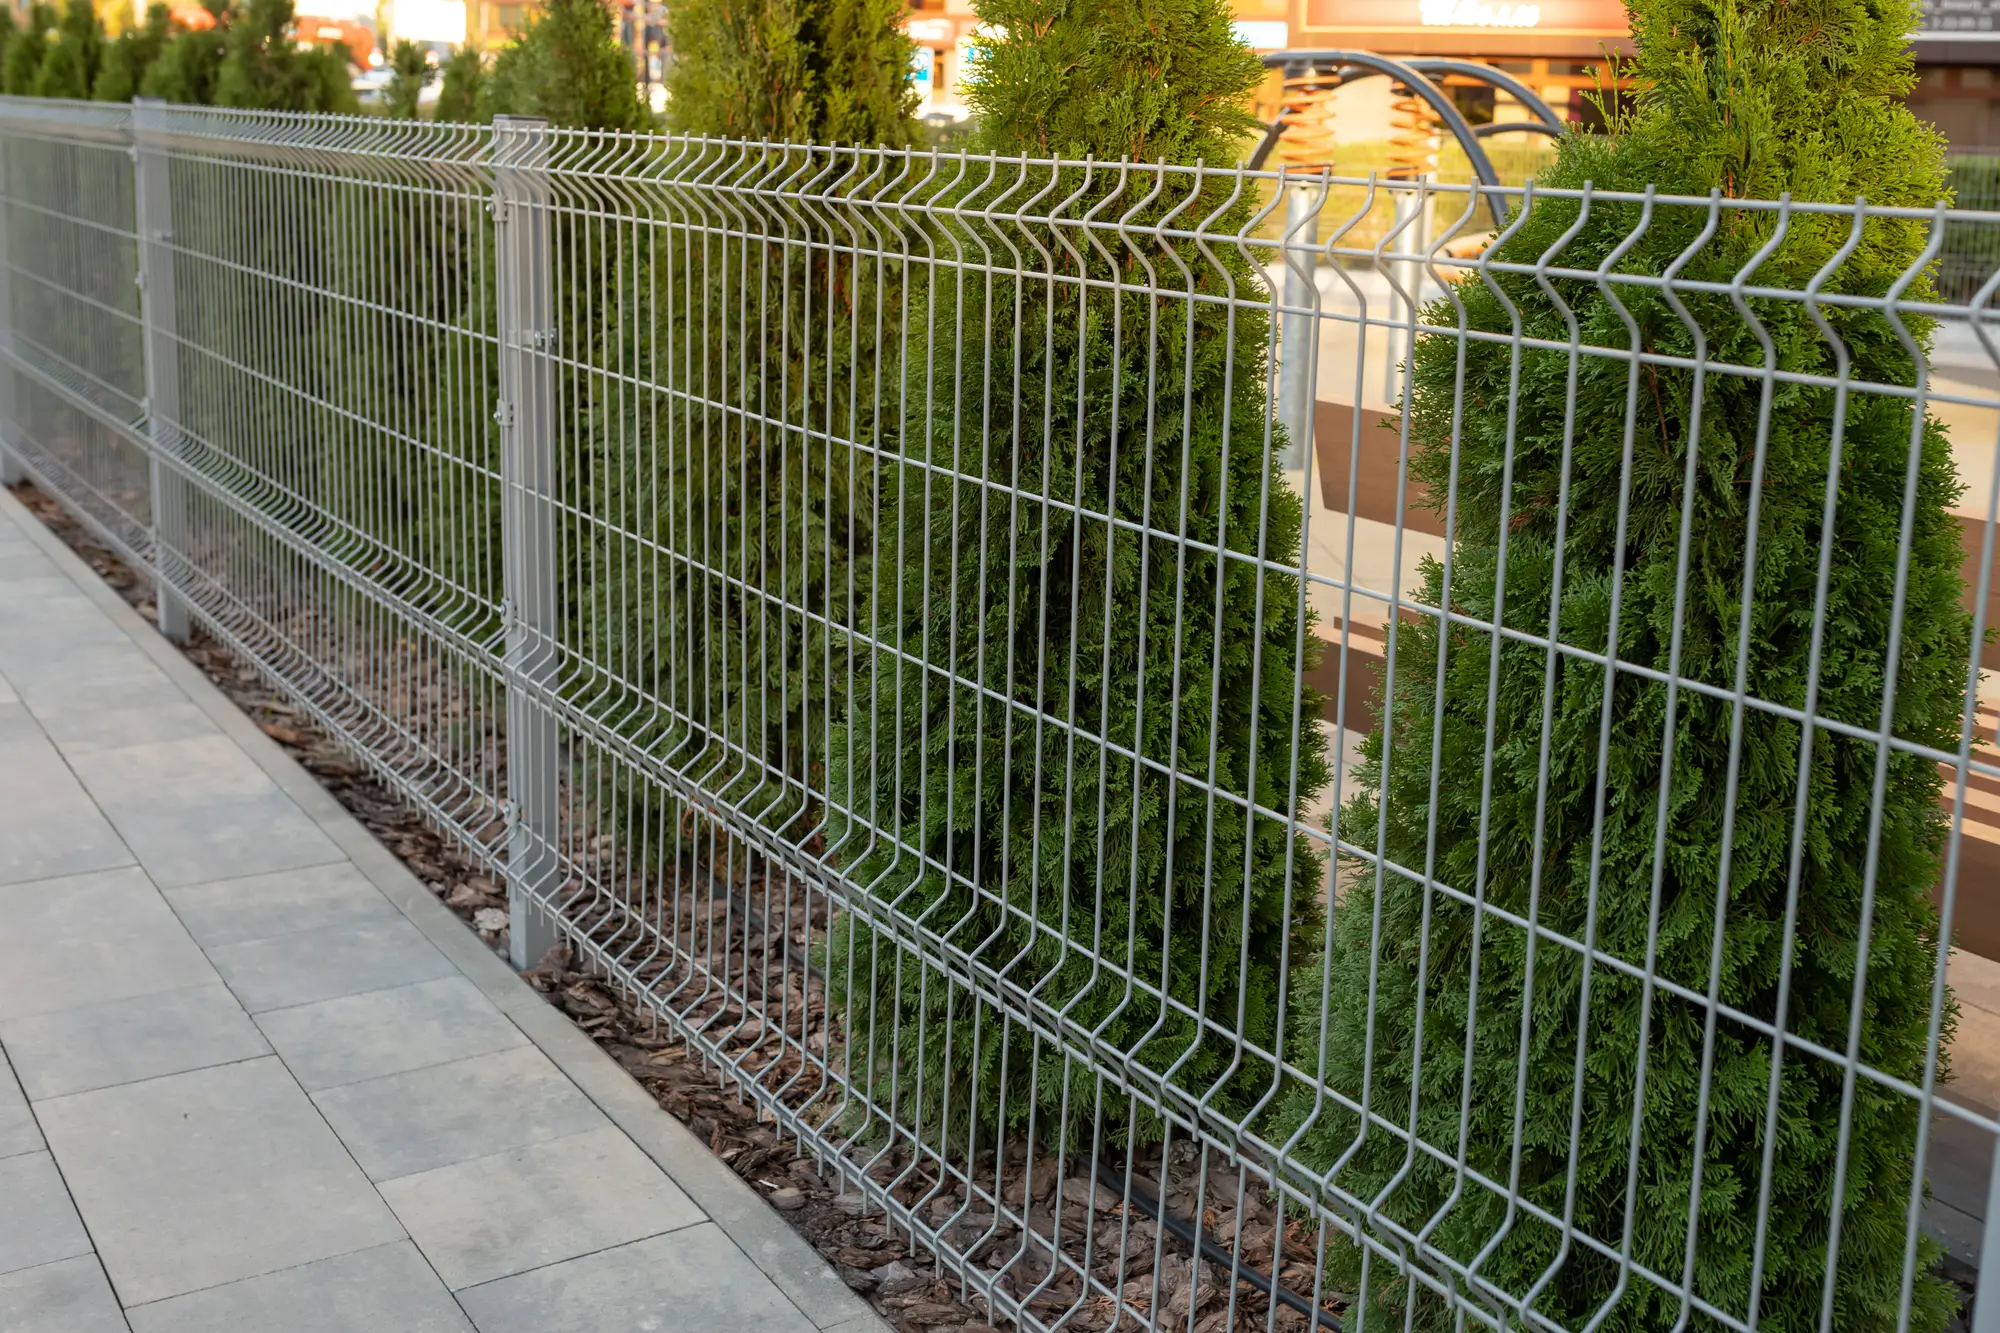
(410,72)
(567,66)
(69,66)
(126,59)
(802,71)
(1044,843)
(458,91)
(1627,842)
(26,50)
(743,469)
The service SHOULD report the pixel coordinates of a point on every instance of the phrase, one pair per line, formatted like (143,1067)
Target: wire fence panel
(1231,750)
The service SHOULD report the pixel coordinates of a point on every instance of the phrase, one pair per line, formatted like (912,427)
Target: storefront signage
(1473,14)
(1957,18)
(1605,17)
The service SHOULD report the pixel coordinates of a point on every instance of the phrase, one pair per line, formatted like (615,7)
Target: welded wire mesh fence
(1223,774)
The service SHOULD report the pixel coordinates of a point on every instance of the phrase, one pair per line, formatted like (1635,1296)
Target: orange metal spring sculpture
(1413,135)
(1308,140)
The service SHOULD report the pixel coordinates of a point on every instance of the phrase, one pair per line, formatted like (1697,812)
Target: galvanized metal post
(162,349)
(526,414)
(11,471)
(1298,346)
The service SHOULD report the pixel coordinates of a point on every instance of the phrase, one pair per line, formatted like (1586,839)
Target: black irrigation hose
(1191,1235)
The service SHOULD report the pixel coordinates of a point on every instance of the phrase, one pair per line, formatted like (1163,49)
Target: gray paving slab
(17,1123)
(122,1041)
(199,809)
(387,1289)
(68,1296)
(119,678)
(18,724)
(514,1211)
(208,1177)
(407,1123)
(324,964)
(259,907)
(690,1281)
(38,1223)
(91,939)
(78,731)
(220,1195)
(48,824)
(387,1032)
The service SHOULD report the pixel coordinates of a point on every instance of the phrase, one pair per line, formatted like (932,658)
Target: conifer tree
(186,70)
(458,93)
(27,50)
(803,71)
(264,68)
(569,68)
(768,517)
(1011,561)
(126,60)
(410,72)
(1751,98)
(69,66)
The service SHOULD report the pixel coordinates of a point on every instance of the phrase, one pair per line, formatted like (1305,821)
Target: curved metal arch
(1494,78)
(1350,66)
(1518,127)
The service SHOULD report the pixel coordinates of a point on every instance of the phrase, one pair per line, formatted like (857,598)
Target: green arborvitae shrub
(458,94)
(27,50)
(568,67)
(1751,98)
(263,68)
(767,517)
(1044,845)
(803,71)
(410,72)
(186,71)
(69,66)
(9,30)
(126,60)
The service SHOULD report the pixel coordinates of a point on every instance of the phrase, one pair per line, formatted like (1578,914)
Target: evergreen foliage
(9,29)
(264,68)
(410,72)
(1752,98)
(1056,847)
(569,68)
(126,60)
(803,71)
(458,93)
(770,516)
(26,50)
(69,66)
(186,70)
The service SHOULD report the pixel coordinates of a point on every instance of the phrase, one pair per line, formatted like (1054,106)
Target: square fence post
(11,471)
(155,218)
(526,413)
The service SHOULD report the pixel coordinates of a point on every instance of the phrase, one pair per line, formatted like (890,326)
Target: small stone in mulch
(896,1276)
(489,918)
(786,1199)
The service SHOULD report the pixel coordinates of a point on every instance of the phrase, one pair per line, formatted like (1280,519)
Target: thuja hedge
(1030,649)
(1751,98)
(764,343)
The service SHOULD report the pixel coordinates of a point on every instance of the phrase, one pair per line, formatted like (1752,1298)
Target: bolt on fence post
(1296,342)
(11,471)
(526,413)
(155,219)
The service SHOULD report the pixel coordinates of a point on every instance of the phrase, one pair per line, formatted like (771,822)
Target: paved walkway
(256,1078)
